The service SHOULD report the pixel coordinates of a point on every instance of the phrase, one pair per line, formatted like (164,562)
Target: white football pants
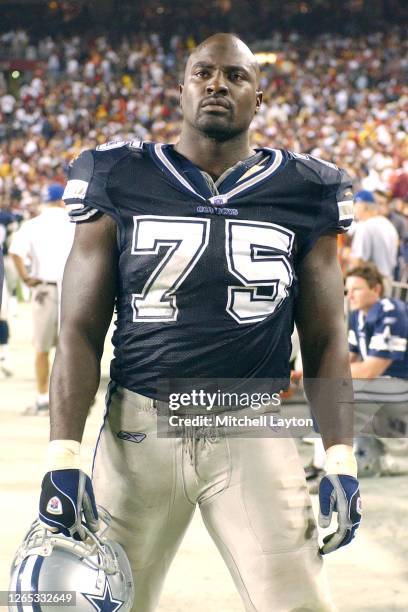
(251,493)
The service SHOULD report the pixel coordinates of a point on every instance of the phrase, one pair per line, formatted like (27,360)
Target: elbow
(74,339)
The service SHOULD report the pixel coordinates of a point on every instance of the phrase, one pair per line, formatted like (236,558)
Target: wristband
(340,459)
(63,455)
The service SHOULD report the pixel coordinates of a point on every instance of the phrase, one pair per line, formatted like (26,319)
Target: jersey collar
(187,177)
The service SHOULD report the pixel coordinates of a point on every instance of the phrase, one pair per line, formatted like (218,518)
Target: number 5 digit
(258,256)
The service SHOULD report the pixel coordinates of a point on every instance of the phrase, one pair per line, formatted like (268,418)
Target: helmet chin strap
(96,548)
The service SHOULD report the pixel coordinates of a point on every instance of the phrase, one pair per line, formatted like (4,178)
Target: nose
(217,84)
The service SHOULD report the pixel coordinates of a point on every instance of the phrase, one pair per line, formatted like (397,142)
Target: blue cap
(54,192)
(364,196)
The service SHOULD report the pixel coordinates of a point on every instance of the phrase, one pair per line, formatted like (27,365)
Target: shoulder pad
(325,172)
(95,164)
(86,190)
(334,191)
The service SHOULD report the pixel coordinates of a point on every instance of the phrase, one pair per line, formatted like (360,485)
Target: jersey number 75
(257,255)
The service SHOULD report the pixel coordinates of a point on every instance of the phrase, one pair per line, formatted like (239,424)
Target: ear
(379,289)
(259,96)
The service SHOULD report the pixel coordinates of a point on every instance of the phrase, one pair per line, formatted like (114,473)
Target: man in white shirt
(44,242)
(375,239)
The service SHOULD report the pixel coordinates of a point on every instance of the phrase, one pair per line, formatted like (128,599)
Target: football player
(209,249)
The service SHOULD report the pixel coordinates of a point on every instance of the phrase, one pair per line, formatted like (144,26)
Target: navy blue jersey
(383,332)
(207,272)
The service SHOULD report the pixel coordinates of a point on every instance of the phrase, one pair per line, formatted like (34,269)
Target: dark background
(245,17)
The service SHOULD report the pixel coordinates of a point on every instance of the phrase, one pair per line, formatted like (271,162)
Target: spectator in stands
(375,239)
(45,241)
(337,97)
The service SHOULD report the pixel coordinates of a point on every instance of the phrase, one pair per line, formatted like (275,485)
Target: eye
(237,76)
(201,73)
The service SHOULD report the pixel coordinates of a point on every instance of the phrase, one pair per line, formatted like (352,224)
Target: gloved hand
(67,500)
(340,493)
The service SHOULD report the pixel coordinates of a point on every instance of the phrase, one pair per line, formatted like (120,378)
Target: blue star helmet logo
(105,602)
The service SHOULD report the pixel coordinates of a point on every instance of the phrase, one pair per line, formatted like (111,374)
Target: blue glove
(340,493)
(66,495)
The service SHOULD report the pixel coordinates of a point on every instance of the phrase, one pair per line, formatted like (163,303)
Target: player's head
(364,287)
(220,93)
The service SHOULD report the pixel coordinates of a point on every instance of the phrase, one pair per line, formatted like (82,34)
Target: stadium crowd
(341,98)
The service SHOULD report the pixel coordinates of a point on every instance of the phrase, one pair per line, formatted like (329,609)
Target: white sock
(319,455)
(43,398)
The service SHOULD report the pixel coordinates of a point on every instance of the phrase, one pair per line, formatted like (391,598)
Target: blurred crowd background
(75,74)
(71,80)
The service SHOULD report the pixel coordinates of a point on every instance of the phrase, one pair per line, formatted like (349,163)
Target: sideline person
(39,250)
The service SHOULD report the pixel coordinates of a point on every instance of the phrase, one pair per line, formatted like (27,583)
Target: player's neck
(212,156)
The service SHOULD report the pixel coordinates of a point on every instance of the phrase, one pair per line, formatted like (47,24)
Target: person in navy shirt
(378,345)
(378,327)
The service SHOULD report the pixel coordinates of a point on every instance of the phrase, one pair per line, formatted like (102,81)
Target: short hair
(370,273)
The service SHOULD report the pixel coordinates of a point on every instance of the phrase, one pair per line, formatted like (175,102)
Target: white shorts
(45,317)
(251,493)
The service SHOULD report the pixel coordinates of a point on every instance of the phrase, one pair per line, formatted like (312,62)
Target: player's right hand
(67,501)
(339,493)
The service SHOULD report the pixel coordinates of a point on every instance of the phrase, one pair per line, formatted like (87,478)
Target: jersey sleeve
(337,201)
(86,193)
(389,338)
(329,191)
(20,243)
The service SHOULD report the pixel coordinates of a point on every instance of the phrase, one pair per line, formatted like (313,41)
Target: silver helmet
(86,576)
(369,452)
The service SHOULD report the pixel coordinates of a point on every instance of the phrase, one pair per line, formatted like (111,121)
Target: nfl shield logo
(54,506)
(219,200)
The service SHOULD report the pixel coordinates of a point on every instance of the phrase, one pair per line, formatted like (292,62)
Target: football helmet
(95,571)
(369,452)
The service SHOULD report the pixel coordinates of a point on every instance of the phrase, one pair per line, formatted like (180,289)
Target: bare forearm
(74,383)
(88,296)
(329,389)
(370,367)
(21,269)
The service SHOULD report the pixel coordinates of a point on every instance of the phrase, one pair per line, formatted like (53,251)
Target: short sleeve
(334,200)
(343,204)
(337,211)
(20,243)
(85,192)
(389,338)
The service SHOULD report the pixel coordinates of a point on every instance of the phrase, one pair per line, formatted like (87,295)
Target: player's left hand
(67,499)
(340,493)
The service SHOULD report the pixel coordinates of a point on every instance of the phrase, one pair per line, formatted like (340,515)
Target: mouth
(216,104)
